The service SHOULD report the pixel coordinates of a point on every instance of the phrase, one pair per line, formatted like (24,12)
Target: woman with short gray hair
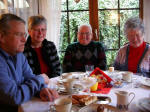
(134,23)
(41,54)
(134,56)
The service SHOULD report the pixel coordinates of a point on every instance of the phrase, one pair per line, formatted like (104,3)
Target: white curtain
(22,8)
(147,19)
(51,9)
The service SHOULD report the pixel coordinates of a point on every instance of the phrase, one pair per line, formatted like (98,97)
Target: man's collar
(5,54)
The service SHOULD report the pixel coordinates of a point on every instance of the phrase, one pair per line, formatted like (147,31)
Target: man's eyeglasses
(87,33)
(40,30)
(17,34)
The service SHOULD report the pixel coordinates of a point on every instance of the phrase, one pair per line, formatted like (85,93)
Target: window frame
(93,12)
(93,16)
(94,20)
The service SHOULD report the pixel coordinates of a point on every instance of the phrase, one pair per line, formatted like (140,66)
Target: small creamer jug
(123,99)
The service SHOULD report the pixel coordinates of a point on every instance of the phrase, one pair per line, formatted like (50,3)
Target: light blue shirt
(17,82)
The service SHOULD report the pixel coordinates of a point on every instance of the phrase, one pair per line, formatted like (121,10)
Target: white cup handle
(132,97)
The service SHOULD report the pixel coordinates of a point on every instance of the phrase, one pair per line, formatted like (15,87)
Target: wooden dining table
(136,86)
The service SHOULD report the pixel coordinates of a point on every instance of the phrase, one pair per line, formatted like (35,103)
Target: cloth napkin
(99,71)
(103,88)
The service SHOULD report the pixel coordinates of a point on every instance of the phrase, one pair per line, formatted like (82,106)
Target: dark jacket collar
(28,42)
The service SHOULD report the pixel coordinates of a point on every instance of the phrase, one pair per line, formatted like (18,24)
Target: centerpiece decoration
(103,79)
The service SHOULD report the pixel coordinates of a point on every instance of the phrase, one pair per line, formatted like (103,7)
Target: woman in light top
(134,56)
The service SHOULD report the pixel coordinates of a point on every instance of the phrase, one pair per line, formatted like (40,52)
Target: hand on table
(47,94)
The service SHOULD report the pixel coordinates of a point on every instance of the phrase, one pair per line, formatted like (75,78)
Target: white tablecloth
(36,105)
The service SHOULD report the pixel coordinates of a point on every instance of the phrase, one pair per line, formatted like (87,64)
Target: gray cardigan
(121,62)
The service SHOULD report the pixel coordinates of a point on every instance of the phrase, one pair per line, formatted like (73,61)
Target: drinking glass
(89,69)
(52,85)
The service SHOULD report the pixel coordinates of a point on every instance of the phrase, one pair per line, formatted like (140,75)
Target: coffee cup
(127,76)
(69,85)
(63,104)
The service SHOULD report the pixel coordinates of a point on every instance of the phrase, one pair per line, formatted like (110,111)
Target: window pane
(83,4)
(129,3)
(110,56)
(124,15)
(63,32)
(61,56)
(107,4)
(108,21)
(76,19)
(63,5)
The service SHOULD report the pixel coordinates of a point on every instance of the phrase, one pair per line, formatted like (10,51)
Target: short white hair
(83,25)
(134,23)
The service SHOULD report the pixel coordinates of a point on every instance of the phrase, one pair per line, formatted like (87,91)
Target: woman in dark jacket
(41,53)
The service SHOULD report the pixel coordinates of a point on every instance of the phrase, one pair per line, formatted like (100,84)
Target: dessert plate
(93,108)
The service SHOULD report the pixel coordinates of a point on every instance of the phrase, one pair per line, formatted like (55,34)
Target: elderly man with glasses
(17,82)
(84,52)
